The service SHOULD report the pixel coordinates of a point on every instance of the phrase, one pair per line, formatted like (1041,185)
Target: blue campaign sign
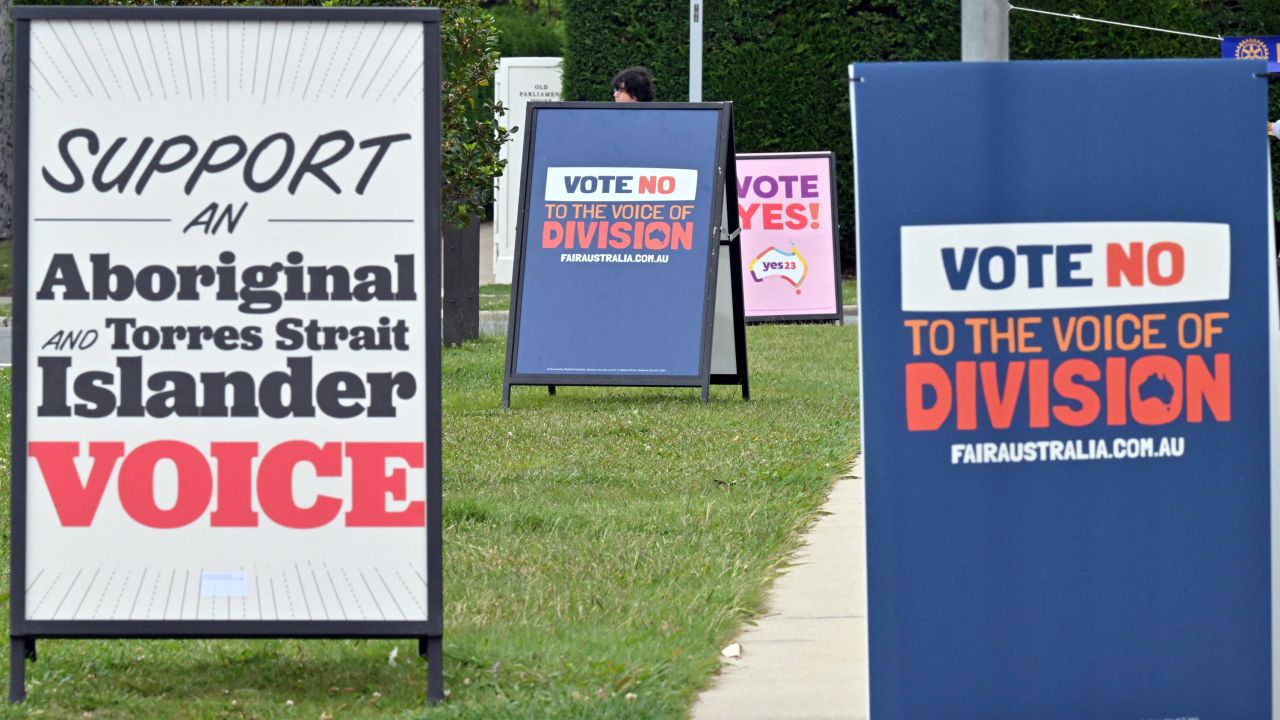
(1065,368)
(1254,47)
(623,210)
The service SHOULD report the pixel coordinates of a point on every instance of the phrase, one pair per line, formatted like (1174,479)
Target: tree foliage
(6,122)
(472,135)
(528,28)
(784,64)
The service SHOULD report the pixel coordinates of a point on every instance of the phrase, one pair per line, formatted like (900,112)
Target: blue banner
(1065,388)
(616,241)
(1254,47)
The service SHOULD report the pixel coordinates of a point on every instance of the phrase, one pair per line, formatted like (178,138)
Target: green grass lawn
(849,291)
(6,278)
(601,546)
(498,297)
(495,297)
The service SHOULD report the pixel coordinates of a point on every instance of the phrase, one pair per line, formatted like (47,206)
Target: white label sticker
(1032,266)
(619,184)
(224,584)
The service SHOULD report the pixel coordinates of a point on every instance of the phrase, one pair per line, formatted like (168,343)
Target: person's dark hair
(637,82)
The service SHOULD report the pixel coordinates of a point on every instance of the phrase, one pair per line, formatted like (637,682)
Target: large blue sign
(1065,388)
(1253,47)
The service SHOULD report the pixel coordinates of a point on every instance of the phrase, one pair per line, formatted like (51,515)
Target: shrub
(525,31)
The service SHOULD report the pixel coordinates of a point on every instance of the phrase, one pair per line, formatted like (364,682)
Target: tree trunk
(461,283)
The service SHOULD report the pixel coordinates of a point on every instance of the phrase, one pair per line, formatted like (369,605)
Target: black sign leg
(18,668)
(31,649)
(706,393)
(435,669)
(551,389)
(506,396)
(732,229)
(739,315)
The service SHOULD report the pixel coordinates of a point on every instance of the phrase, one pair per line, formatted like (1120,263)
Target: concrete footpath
(807,657)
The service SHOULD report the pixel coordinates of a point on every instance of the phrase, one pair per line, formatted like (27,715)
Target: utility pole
(984,30)
(695,50)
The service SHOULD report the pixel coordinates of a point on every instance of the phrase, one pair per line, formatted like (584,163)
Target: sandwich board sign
(518,82)
(226,356)
(1069,381)
(790,237)
(626,265)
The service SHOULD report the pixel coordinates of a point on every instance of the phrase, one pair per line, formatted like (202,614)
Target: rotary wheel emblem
(1252,49)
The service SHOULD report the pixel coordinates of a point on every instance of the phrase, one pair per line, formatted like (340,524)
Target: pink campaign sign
(790,269)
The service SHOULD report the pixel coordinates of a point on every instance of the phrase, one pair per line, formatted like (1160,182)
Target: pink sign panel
(790,246)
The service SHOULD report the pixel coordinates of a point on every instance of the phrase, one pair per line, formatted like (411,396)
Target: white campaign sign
(226,401)
(518,82)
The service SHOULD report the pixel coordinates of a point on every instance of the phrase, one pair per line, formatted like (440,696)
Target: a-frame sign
(226,411)
(790,237)
(627,252)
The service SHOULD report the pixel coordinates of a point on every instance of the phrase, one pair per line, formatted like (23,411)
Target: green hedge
(527,33)
(784,64)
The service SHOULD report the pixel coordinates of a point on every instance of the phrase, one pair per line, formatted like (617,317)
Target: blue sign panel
(616,241)
(1065,388)
(1254,47)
